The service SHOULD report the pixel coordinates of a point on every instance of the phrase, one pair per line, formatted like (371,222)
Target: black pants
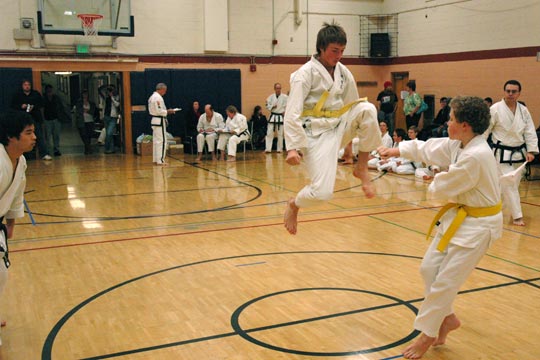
(411,120)
(86,133)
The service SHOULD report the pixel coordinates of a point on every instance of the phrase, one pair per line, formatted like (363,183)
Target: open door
(400,80)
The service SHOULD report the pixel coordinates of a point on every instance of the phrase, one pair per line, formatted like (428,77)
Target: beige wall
(474,77)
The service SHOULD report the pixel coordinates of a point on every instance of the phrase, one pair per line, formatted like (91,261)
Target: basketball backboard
(61,16)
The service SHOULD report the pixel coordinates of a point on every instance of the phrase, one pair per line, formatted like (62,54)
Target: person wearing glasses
(513,140)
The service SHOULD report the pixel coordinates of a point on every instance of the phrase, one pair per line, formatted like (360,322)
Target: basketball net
(90,23)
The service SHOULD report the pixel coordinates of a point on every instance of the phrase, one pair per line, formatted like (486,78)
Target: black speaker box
(380,45)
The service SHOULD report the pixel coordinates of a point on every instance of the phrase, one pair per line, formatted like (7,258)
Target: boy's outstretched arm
(386,153)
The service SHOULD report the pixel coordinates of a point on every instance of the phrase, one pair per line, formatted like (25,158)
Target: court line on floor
(49,342)
(207,231)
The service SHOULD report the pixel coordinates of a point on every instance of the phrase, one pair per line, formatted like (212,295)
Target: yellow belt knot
(462,212)
(318,112)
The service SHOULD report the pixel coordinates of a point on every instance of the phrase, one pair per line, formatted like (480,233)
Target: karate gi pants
(444,273)
(159,143)
(321,153)
(270,136)
(233,143)
(510,193)
(210,140)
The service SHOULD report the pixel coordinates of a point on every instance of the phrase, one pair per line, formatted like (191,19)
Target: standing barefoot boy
(469,223)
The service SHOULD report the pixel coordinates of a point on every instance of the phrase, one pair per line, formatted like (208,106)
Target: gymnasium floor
(132,261)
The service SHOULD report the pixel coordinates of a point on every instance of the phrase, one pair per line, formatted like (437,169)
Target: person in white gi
(16,137)
(236,131)
(387,141)
(209,124)
(158,111)
(276,103)
(468,225)
(324,113)
(514,141)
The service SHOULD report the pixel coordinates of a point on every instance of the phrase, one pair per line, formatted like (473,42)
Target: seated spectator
(440,123)
(259,125)
(236,131)
(398,165)
(386,141)
(412,133)
(208,126)
(488,101)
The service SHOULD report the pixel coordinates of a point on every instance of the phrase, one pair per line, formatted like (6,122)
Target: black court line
(107,196)
(105,218)
(49,342)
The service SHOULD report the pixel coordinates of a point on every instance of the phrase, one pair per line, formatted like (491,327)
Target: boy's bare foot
(290,218)
(367,185)
(417,349)
(427,177)
(451,322)
(198,159)
(231,158)
(519,222)
(347,161)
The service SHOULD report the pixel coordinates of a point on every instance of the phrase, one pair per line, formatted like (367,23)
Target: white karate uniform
(215,123)
(276,105)
(11,201)
(472,179)
(158,111)
(512,130)
(239,132)
(322,138)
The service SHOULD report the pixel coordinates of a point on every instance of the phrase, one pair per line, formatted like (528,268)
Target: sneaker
(47,157)
(57,153)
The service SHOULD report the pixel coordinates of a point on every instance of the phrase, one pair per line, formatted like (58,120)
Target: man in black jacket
(30,100)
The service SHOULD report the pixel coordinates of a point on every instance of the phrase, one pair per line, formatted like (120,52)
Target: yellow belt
(462,212)
(318,111)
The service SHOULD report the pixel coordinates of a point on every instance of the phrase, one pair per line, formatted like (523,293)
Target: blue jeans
(52,135)
(110,129)
(40,135)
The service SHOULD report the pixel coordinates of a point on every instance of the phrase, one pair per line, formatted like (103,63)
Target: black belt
(163,118)
(512,149)
(3,228)
(278,123)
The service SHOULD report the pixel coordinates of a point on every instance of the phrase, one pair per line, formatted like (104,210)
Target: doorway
(400,79)
(68,86)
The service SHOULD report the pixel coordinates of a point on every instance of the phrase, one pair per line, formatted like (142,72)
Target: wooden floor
(127,260)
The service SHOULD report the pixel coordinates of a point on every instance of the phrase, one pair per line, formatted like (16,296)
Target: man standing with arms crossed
(276,103)
(514,141)
(323,114)
(156,108)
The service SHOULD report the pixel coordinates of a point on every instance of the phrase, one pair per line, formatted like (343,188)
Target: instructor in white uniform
(158,111)
(513,140)
(16,137)
(276,103)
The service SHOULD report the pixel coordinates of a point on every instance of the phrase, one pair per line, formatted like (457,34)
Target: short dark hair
(401,133)
(512,82)
(330,33)
(489,100)
(12,124)
(472,110)
(444,98)
(411,84)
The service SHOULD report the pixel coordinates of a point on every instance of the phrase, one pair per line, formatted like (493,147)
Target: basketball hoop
(90,23)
